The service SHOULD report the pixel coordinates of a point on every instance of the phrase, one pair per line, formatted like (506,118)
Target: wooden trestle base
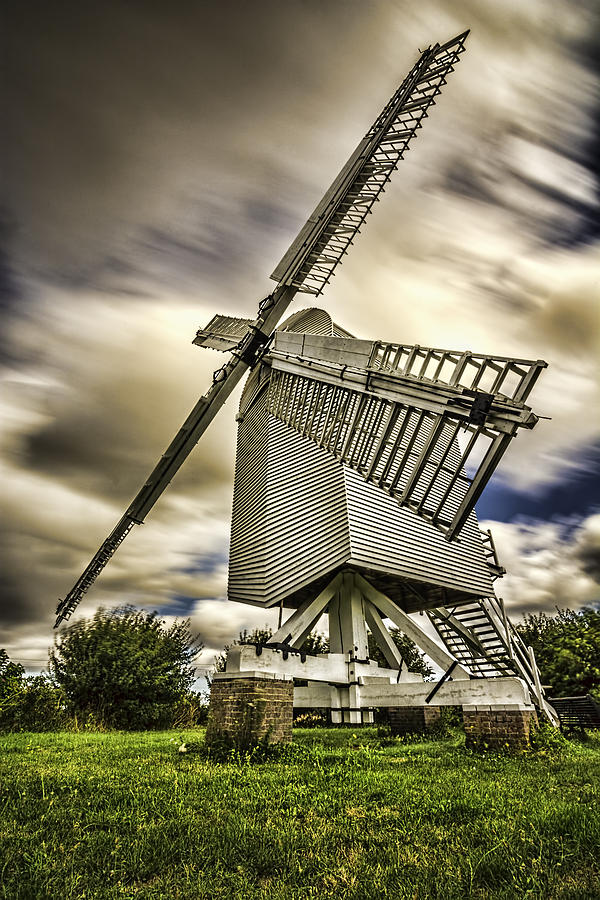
(251,706)
(261,685)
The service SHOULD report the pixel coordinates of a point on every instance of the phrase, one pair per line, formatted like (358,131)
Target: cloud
(110,386)
(83,429)
(135,123)
(587,548)
(550,564)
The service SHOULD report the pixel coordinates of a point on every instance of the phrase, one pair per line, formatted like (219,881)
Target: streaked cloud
(550,564)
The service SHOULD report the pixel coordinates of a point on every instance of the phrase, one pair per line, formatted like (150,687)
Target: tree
(11,675)
(125,668)
(567,649)
(28,703)
(12,686)
(413,659)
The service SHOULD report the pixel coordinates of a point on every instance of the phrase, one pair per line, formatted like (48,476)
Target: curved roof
(313,321)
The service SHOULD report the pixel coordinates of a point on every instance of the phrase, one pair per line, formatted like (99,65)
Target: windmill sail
(393,413)
(223,333)
(325,238)
(308,264)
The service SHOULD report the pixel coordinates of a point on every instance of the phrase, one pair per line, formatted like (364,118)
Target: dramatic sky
(159,160)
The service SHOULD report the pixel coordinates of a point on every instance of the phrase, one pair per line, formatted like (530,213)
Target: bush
(190,712)
(546,738)
(310,719)
(126,669)
(32,704)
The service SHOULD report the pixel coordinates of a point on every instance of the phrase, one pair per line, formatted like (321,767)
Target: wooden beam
(383,638)
(389,610)
(294,630)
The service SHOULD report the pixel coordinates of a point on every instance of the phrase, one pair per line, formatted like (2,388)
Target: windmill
(359,464)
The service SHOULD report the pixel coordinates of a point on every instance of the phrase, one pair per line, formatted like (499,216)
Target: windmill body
(350,479)
(300,514)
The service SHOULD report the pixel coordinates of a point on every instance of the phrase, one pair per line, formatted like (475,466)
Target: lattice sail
(382,411)
(223,332)
(322,242)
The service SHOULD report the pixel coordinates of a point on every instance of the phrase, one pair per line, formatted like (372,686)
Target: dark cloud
(10,291)
(579,489)
(106,444)
(587,549)
(28,594)
(588,147)
(551,200)
(16,606)
(589,556)
(549,563)
(179,605)
(110,109)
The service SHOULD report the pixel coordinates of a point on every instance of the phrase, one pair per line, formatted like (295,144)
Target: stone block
(246,710)
(414,719)
(492,728)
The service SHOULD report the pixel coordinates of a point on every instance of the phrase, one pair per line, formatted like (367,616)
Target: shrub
(310,719)
(567,649)
(191,711)
(32,703)
(126,669)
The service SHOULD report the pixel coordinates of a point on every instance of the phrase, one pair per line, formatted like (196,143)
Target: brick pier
(245,709)
(414,719)
(495,728)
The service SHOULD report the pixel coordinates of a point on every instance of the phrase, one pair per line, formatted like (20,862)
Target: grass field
(348,814)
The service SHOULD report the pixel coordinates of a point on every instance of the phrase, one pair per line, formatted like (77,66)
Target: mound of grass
(344,813)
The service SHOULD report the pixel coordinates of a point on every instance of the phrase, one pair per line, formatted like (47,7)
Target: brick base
(414,719)
(497,729)
(244,710)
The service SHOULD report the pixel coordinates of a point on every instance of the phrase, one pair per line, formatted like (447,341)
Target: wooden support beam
(354,629)
(389,610)
(485,471)
(383,638)
(294,630)
(502,693)
(335,625)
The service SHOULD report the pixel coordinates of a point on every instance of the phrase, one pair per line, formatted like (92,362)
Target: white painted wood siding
(247,555)
(299,515)
(394,542)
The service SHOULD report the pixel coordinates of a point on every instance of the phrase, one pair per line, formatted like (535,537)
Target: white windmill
(359,464)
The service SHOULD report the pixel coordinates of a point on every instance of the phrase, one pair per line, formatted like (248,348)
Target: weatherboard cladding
(247,559)
(301,531)
(307,531)
(289,523)
(299,514)
(391,539)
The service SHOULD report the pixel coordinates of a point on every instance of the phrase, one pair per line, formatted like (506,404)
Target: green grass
(348,815)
